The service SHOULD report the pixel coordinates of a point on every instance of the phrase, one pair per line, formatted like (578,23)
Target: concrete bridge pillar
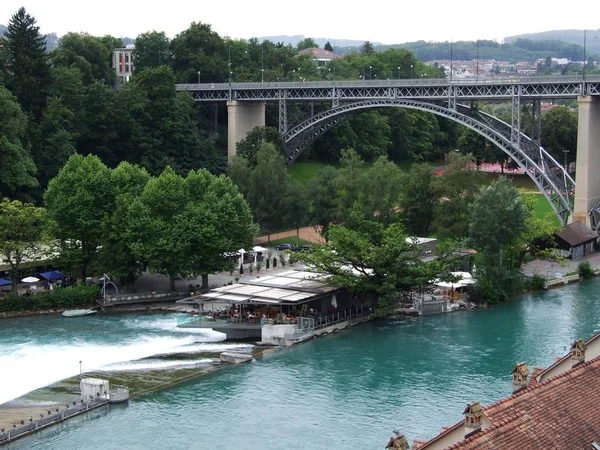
(587,176)
(242,117)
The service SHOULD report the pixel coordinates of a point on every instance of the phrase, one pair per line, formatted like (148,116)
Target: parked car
(291,247)
(303,248)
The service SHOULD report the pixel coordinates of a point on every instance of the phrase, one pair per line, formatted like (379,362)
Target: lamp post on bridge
(398,72)
(198,77)
(584,62)
(370,72)
(411,72)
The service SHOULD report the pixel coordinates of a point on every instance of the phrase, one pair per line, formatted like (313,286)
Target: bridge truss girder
(548,175)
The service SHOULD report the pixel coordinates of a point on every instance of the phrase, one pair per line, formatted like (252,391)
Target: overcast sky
(388,22)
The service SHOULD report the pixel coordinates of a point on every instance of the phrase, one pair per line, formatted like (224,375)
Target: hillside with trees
(567,36)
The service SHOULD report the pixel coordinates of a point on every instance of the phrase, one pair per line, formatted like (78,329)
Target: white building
(122,62)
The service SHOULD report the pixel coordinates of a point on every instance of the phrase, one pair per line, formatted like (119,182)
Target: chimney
(577,352)
(519,376)
(473,414)
(398,442)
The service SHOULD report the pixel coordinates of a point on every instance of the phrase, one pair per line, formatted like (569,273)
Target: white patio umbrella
(30,280)
(241,251)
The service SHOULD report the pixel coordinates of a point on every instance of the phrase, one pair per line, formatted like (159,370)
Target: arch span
(548,175)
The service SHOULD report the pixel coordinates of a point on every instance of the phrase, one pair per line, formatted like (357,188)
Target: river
(348,390)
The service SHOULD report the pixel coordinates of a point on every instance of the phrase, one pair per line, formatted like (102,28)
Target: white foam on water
(153,364)
(33,365)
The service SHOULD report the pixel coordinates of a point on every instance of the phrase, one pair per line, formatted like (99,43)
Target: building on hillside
(122,63)
(576,240)
(321,56)
(556,409)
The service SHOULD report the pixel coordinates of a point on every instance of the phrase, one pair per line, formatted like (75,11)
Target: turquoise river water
(348,390)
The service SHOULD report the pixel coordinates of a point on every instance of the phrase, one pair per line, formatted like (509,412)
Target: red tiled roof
(561,359)
(560,413)
(319,53)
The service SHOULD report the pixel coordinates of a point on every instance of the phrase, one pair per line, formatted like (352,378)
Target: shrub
(536,283)
(585,269)
(58,298)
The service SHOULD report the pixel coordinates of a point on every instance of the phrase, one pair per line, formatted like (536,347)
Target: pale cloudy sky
(388,22)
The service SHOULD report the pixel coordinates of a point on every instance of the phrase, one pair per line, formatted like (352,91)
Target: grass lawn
(287,240)
(543,209)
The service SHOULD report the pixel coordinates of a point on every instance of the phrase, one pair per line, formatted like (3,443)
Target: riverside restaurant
(279,309)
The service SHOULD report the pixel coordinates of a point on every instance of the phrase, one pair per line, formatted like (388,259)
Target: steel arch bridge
(548,175)
(446,98)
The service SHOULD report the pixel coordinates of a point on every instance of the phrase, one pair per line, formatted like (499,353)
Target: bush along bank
(60,298)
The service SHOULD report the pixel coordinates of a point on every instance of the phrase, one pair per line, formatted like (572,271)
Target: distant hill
(519,50)
(293,40)
(568,36)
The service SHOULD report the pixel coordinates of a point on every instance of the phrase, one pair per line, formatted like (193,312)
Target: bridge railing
(386,82)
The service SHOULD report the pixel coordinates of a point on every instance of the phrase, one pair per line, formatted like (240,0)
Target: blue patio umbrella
(4,282)
(52,275)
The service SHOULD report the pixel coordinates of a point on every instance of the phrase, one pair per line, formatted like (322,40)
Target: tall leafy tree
(267,188)
(498,222)
(182,226)
(454,190)
(115,256)
(418,200)
(28,69)
(77,200)
(199,47)
(88,53)
(381,191)
(21,233)
(328,46)
(57,142)
(17,169)
(323,199)
(152,49)
(248,147)
(559,133)
(307,43)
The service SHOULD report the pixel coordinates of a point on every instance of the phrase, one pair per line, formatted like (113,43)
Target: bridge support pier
(587,176)
(242,117)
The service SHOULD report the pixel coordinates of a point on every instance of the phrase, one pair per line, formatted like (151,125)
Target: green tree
(267,188)
(115,255)
(559,133)
(323,199)
(77,200)
(239,171)
(87,53)
(367,49)
(21,233)
(17,168)
(152,49)
(498,222)
(199,48)
(182,227)
(418,200)
(470,142)
(28,70)
(381,191)
(328,47)
(307,43)
(454,190)
(348,184)
(57,142)
(372,261)
(248,147)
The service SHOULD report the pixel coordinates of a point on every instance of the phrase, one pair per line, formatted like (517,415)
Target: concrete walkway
(549,270)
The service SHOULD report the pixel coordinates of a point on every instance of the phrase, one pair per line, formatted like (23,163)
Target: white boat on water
(78,312)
